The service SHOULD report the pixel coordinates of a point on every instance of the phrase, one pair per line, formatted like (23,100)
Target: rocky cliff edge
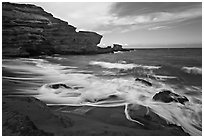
(27,30)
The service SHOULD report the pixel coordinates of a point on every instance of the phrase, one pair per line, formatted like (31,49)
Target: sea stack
(117,47)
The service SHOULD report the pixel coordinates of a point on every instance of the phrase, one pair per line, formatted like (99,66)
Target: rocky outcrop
(27,30)
(167,96)
(152,121)
(117,47)
(29,116)
(145,82)
(62,85)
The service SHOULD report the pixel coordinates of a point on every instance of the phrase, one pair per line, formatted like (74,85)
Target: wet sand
(23,114)
(33,117)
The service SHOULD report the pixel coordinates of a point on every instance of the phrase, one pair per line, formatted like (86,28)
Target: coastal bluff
(28,30)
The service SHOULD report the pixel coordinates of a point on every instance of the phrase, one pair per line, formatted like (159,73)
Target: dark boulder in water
(57,86)
(167,96)
(147,83)
(61,85)
(152,121)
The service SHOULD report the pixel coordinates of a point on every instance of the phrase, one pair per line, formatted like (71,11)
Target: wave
(38,68)
(123,65)
(192,70)
(116,92)
(118,52)
(162,77)
(18,78)
(95,91)
(74,87)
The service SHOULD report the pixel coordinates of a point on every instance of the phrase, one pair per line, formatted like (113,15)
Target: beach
(127,69)
(107,94)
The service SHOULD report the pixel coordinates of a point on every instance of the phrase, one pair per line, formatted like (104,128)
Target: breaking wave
(125,66)
(69,86)
(162,77)
(192,70)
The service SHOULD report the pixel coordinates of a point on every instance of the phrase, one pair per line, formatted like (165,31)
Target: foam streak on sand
(110,65)
(128,116)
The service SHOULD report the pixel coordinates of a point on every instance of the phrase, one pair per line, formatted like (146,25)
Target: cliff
(27,30)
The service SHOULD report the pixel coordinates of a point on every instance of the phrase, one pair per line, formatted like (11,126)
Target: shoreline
(98,121)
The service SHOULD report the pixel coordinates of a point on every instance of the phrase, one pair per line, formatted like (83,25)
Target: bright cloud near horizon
(134,23)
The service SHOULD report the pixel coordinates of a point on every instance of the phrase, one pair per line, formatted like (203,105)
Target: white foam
(192,70)
(162,77)
(108,73)
(129,91)
(94,91)
(116,52)
(122,65)
(49,72)
(18,78)
(128,116)
(181,115)
(122,61)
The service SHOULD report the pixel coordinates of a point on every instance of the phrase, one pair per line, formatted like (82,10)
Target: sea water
(108,80)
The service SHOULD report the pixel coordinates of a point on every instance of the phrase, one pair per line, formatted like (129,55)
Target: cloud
(158,28)
(122,9)
(126,17)
(107,17)
(83,15)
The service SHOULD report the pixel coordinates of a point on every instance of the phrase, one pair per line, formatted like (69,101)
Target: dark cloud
(138,8)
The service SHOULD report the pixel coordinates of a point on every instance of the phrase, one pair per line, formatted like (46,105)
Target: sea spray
(192,70)
(121,65)
(97,91)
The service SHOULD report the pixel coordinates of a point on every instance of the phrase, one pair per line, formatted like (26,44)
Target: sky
(134,24)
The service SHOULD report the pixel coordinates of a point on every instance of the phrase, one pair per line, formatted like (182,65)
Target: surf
(192,70)
(72,87)
(121,65)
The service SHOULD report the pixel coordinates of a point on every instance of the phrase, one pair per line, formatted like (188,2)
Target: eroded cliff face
(27,30)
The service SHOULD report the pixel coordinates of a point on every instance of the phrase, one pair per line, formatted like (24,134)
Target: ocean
(108,80)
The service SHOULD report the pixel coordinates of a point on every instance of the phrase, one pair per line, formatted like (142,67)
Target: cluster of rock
(27,30)
(29,116)
(152,121)
(117,47)
(168,96)
(165,96)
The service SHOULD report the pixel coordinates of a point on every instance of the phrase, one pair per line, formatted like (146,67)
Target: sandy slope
(29,116)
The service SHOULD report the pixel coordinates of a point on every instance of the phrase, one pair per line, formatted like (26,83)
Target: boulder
(28,116)
(147,83)
(61,85)
(117,47)
(57,86)
(167,96)
(152,121)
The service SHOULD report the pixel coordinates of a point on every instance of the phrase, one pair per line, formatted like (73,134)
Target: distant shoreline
(161,48)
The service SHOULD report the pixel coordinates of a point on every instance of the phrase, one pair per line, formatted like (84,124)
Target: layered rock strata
(28,30)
